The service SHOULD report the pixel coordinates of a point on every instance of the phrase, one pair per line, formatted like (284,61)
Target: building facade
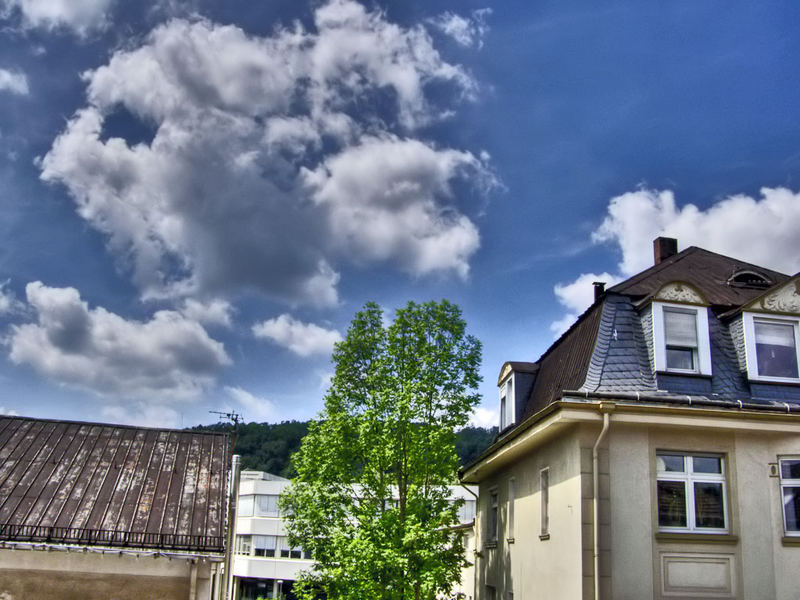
(95,511)
(653,451)
(266,566)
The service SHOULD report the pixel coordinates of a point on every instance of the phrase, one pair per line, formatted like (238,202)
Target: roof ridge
(116,425)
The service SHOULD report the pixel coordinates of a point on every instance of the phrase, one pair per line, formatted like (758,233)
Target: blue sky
(195,197)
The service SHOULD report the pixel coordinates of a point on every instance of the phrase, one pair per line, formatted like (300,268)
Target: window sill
(490,545)
(776,381)
(791,540)
(693,374)
(544,537)
(697,538)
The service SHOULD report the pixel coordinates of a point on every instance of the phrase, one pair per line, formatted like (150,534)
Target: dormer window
(771,344)
(680,338)
(507,407)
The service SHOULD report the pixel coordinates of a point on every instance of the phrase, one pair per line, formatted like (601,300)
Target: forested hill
(268,447)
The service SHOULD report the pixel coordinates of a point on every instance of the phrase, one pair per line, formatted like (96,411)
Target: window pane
(707,464)
(671,504)
(708,508)
(791,508)
(790,469)
(670,463)
(246,506)
(680,358)
(503,412)
(775,350)
(680,328)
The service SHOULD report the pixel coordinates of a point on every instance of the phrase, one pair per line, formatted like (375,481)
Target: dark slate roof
(619,362)
(607,349)
(563,366)
(111,485)
(707,271)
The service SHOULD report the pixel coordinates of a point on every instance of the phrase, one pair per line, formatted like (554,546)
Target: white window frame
(689,478)
(544,502)
(508,407)
(493,514)
(512,494)
(703,357)
(751,356)
(784,484)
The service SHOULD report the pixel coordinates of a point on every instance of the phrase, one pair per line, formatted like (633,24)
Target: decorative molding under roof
(785,299)
(678,291)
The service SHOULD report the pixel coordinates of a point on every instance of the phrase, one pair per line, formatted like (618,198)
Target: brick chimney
(599,288)
(663,248)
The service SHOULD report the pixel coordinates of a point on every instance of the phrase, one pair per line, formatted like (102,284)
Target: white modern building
(264,565)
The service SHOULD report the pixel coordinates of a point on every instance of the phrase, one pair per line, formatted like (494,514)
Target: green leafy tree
(371,498)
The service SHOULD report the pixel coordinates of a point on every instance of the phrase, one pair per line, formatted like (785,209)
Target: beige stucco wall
(41,574)
(752,561)
(636,560)
(529,566)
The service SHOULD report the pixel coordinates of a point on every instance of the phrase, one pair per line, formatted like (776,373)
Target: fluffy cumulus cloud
(467,31)
(167,357)
(79,16)
(13,82)
(274,159)
(304,339)
(255,408)
(635,219)
(213,312)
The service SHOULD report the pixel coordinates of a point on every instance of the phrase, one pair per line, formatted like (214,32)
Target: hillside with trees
(269,446)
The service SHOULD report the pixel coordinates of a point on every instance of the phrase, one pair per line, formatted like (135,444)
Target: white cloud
(8,412)
(213,312)
(80,16)
(256,408)
(255,138)
(142,414)
(577,296)
(484,417)
(169,356)
(763,231)
(466,31)
(382,200)
(15,83)
(304,339)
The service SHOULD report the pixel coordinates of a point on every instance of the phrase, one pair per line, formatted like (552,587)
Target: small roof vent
(749,279)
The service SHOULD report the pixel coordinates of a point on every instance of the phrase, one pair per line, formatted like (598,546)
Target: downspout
(231,537)
(596,499)
(474,537)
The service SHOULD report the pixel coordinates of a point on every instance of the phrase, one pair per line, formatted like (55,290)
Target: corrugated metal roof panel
(97,484)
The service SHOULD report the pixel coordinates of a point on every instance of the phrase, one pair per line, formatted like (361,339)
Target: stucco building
(266,566)
(653,451)
(95,511)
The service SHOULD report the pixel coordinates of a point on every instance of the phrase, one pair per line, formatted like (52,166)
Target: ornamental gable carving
(678,291)
(786,299)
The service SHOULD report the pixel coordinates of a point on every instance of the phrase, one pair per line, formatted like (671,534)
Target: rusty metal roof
(99,484)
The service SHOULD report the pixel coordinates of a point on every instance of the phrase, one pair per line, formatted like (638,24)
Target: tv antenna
(234,418)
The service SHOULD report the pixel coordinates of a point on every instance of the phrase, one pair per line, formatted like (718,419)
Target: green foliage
(371,497)
(266,447)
